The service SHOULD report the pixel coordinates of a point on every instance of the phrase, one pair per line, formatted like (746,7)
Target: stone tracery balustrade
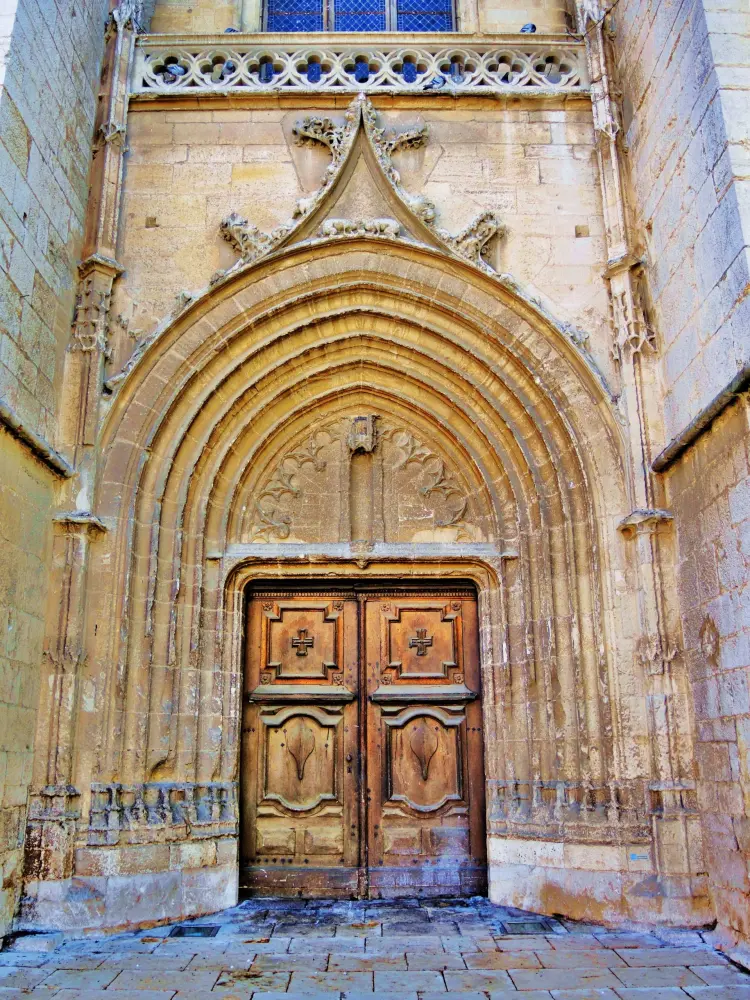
(397,63)
(168,811)
(614,813)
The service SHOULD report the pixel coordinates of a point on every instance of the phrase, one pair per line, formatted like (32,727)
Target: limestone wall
(47,104)
(188,169)
(26,494)
(709,492)
(683,71)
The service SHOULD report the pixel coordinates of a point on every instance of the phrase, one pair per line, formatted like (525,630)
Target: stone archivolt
(479,411)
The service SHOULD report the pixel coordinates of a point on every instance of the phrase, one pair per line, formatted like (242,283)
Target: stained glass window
(295,15)
(359,15)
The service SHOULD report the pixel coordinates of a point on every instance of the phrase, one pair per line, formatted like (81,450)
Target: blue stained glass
(359,15)
(409,72)
(433,20)
(295,15)
(314,72)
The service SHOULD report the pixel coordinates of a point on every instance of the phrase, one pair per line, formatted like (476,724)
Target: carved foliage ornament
(360,227)
(633,332)
(470,244)
(272,517)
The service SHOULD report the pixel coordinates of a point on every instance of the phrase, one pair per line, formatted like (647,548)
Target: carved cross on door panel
(303,642)
(421,641)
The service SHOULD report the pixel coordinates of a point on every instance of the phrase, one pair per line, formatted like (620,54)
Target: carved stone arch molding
(293,378)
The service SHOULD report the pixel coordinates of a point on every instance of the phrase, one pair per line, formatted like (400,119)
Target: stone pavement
(402,950)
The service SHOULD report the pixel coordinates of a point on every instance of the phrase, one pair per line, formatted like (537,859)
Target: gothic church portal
(370,515)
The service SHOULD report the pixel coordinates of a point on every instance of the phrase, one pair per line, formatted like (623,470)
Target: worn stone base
(119,902)
(732,943)
(611,884)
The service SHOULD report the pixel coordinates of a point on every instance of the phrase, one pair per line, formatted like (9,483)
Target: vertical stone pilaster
(648,528)
(54,805)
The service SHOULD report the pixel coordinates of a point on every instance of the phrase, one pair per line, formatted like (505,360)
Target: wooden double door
(362,762)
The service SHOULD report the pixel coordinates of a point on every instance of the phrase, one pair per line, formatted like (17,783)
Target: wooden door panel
(425,770)
(299,757)
(300,788)
(422,760)
(362,767)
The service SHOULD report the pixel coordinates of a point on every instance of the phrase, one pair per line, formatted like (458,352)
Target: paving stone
(653,993)
(578,958)
(610,940)
(272,946)
(419,961)
(367,928)
(514,995)
(590,993)
(478,980)
(562,979)
(671,956)
(75,994)
(251,979)
(462,945)
(729,991)
(218,963)
(385,982)
(290,963)
(721,975)
(502,960)
(316,982)
(316,946)
(79,979)
(144,962)
(527,995)
(352,963)
(79,962)
(530,943)
(391,949)
(454,996)
(13,977)
(24,960)
(132,979)
(355,995)
(570,942)
(666,975)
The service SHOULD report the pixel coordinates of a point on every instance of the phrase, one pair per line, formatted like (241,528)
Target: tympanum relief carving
(363,479)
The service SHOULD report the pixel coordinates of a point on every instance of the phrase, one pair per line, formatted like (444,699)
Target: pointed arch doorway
(362,761)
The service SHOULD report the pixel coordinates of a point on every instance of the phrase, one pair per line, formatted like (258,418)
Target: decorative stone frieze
(360,227)
(430,64)
(161,811)
(574,810)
